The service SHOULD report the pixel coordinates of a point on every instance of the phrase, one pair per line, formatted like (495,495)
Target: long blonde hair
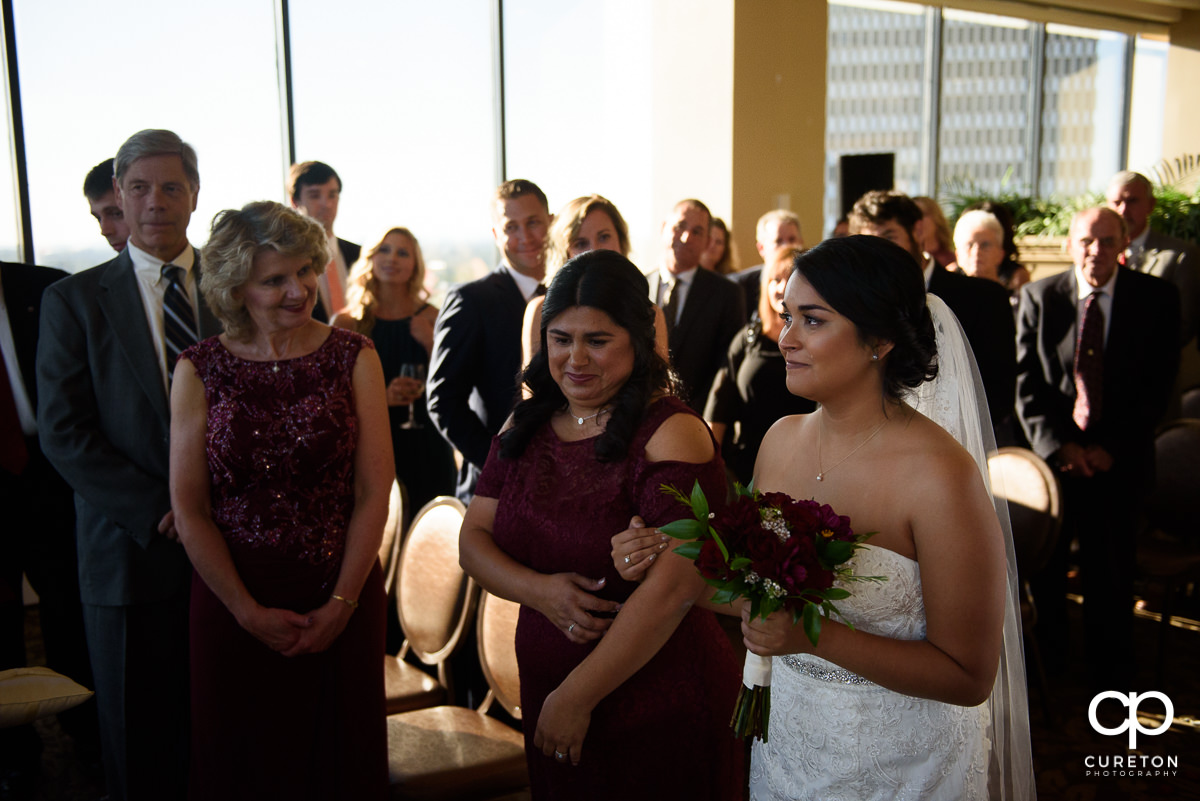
(566,227)
(361,290)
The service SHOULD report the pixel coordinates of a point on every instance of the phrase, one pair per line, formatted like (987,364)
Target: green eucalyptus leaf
(685,529)
(699,503)
(812,623)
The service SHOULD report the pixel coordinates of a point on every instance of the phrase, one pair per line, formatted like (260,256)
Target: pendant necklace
(821,429)
(582,420)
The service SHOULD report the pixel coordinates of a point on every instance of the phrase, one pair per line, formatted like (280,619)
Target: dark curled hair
(879,287)
(607,281)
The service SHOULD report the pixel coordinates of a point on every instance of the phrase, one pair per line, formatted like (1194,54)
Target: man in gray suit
(1131,195)
(107,344)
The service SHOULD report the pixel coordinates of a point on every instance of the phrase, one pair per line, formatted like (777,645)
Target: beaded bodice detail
(836,735)
(280,443)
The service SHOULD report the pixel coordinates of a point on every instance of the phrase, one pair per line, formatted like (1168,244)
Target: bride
(924,697)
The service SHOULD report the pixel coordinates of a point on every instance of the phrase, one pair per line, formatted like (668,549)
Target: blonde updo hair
(237,237)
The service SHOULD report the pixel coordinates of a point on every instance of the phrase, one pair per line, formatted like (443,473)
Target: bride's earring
(874,357)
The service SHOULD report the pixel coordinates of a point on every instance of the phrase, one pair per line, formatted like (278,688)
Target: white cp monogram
(1131,700)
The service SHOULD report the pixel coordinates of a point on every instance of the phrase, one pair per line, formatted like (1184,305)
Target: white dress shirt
(1083,289)
(153,287)
(683,283)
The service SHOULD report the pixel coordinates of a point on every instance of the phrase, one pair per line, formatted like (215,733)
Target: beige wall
(1181,123)
(778,115)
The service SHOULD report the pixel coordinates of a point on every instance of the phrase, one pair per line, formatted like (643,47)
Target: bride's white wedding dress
(834,735)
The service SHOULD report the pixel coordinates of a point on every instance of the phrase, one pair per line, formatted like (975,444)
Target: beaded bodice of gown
(280,442)
(835,735)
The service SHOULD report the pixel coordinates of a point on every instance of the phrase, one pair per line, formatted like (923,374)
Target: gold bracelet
(346,601)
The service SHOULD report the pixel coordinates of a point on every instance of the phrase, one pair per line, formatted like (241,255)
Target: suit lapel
(697,296)
(120,302)
(1065,312)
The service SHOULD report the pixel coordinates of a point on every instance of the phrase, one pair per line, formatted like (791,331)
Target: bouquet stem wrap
(752,711)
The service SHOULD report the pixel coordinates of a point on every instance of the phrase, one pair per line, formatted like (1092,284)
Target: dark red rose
(803,516)
(710,563)
(736,522)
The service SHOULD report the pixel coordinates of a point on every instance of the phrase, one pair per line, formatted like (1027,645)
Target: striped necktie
(179,319)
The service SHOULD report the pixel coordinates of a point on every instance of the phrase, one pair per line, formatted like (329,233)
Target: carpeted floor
(1061,747)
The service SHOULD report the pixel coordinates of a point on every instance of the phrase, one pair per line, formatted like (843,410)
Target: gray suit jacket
(103,420)
(1176,261)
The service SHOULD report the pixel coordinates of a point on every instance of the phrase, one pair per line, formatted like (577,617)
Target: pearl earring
(874,357)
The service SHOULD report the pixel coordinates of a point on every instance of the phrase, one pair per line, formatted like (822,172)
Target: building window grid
(875,98)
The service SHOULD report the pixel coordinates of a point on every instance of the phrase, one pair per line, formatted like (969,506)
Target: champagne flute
(416,371)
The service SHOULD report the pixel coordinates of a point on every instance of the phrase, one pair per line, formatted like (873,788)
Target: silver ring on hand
(627,559)
(560,756)
(570,628)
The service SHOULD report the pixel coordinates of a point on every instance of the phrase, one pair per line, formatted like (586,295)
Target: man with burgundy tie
(108,341)
(316,189)
(1096,355)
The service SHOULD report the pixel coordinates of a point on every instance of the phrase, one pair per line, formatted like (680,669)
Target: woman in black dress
(751,388)
(388,302)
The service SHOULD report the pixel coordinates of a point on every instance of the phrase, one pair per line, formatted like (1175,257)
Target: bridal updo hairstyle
(607,281)
(879,287)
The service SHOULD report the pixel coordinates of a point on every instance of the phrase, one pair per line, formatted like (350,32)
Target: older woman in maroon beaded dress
(281,466)
(613,674)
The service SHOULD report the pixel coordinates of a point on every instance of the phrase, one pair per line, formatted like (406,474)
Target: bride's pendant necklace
(821,430)
(582,420)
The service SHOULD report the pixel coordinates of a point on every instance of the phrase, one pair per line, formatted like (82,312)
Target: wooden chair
(393,534)
(1168,552)
(1023,479)
(451,752)
(1190,403)
(435,601)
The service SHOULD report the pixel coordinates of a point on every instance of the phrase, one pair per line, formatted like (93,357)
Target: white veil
(955,401)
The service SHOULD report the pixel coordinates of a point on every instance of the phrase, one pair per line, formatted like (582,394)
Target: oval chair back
(435,599)
(389,548)
(1034,496)
(497,635)
(1174,508)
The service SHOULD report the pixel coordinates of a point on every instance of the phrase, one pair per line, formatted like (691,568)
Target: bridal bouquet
(781,554)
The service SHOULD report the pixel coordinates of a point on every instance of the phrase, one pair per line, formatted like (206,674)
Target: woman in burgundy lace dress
(281,466)
(614,675)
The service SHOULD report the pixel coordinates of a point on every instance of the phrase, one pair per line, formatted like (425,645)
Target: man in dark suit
(981,306)
(776,229)
(476,354)
(703,310)
(316,189)
(1097,349)
(107,344)
(38,535)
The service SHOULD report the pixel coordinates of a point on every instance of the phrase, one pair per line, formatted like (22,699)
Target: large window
(622,98)
(119,67)
(398,98)
(1020,107)
(985,133)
